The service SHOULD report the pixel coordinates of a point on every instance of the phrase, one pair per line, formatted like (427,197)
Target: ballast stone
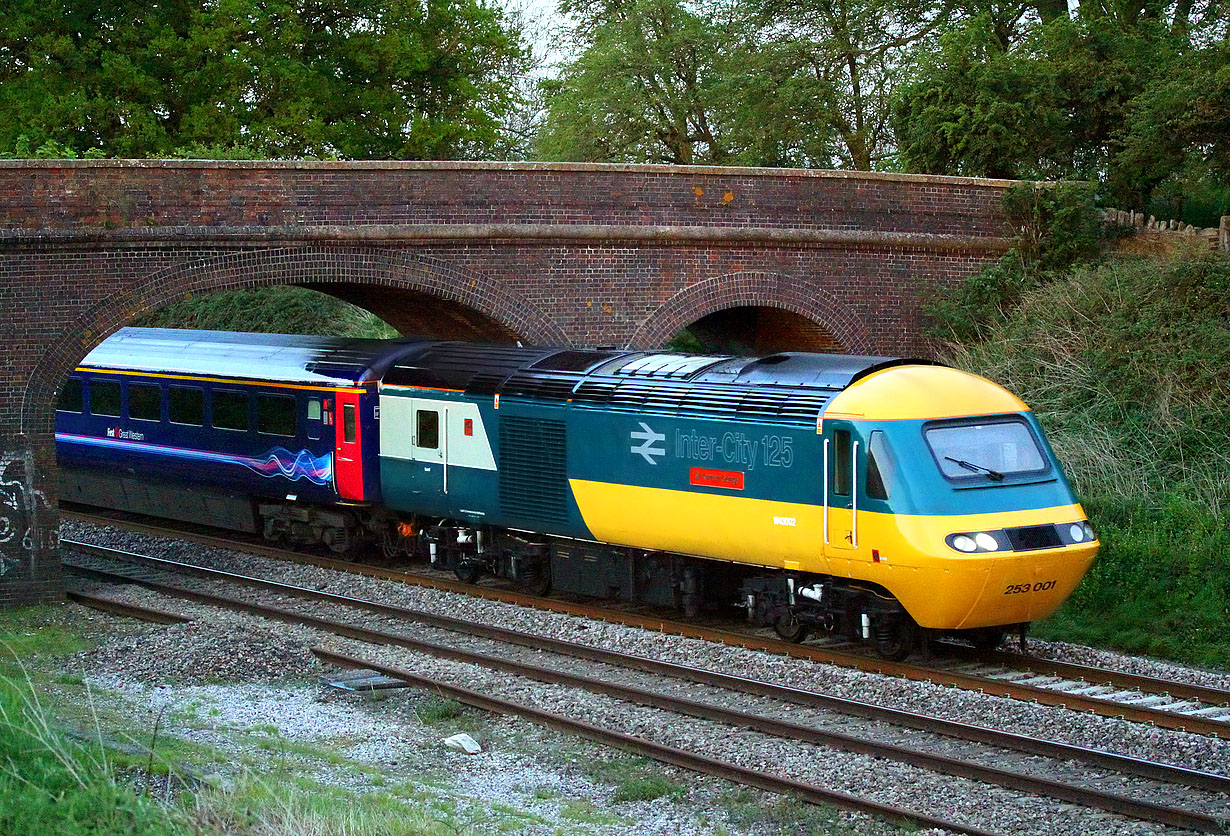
(463,743)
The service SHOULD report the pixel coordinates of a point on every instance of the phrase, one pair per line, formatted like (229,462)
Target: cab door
(428,449)
(841,457)
(348,456)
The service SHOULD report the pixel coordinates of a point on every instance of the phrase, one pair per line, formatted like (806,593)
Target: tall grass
(51,785)
(1127,365)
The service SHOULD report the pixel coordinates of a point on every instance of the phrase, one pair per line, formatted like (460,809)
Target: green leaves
(386,80)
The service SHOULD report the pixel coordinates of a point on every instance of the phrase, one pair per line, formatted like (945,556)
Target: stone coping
(494,166)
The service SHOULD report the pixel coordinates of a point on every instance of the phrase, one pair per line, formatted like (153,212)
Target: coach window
(230,410)
(349,431)
(428,429)
(145,401)
(881,467)
(105,398)
(72,396)
(841,462)
(186,405)
(275,414)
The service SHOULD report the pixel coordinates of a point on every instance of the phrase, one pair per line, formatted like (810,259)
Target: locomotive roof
(792,387)
(290,358)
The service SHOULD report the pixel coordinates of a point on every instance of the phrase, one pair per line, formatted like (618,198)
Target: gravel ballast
(251,652)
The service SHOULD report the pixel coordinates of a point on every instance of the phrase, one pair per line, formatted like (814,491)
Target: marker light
(963,543)
(986,542)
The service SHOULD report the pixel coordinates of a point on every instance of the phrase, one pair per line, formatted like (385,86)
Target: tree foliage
(299,78)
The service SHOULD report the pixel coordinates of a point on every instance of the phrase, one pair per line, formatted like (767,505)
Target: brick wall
(545,253)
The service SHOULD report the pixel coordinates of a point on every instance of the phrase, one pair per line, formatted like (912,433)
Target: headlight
(1077,532)
(986,542)
(1089,535)
(976,541)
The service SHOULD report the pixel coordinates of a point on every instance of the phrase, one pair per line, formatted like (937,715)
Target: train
(884,499)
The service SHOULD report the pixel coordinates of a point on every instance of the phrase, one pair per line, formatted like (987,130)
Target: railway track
(158,574)
(1162,702)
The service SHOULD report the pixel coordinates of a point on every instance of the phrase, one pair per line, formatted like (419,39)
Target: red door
(348,462)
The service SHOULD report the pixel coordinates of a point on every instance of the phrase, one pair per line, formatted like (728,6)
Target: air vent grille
(533,473)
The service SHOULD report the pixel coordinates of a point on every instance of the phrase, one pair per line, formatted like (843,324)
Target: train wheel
(790,628)
(895,639)
(468,571)
(987,639)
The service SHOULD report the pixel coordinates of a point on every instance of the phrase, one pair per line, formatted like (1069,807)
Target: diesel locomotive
(886,499)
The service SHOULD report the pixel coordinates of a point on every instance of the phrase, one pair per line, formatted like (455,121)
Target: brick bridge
(544,253)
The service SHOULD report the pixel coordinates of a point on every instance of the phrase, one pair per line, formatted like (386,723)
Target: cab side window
(881,466)
(841,462)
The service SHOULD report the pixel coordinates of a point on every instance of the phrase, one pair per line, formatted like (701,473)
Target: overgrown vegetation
(1125,361)
(281,309)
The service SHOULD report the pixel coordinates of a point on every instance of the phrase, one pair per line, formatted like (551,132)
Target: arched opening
(754,330)
(333,310)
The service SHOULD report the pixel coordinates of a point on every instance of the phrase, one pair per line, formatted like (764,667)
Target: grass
(1127,365)
(635,779)
(784,816)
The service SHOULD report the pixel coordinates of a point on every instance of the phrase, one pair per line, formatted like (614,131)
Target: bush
(1054,227)
(280,309)
(1125,364)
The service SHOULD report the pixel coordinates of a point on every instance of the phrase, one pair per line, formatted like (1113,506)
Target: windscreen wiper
(977,468)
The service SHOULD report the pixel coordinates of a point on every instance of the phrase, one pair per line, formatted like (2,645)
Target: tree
(845,57)
(644,88)
(318,78)
(976,109)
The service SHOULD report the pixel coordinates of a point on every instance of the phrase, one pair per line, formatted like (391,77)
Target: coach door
(842,450)
(348,460)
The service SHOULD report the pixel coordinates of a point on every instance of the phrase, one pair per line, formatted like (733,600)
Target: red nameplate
(730,479)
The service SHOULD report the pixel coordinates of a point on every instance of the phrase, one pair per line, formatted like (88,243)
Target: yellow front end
(946,590)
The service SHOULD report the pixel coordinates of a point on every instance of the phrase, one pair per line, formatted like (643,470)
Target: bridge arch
(754,289)
(470,306)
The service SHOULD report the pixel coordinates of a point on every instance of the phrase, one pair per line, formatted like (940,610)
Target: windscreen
(991,450)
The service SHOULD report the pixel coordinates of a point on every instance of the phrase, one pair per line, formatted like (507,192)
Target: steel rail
(688,760)
(1092,675)
(98,602)
(1118,804)
(918,673)
(977,734)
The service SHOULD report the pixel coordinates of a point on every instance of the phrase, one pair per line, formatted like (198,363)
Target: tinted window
(881,467)
(428,429)
(841,462)
(186,405)
(145,401)
(348,423)
(971,450)
(230,410)
(275,414)
(72,398)
(105,397)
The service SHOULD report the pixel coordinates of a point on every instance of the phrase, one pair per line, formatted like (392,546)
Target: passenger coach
(268,432)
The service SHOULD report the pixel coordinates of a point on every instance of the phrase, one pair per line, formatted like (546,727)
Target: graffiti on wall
(19,511)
